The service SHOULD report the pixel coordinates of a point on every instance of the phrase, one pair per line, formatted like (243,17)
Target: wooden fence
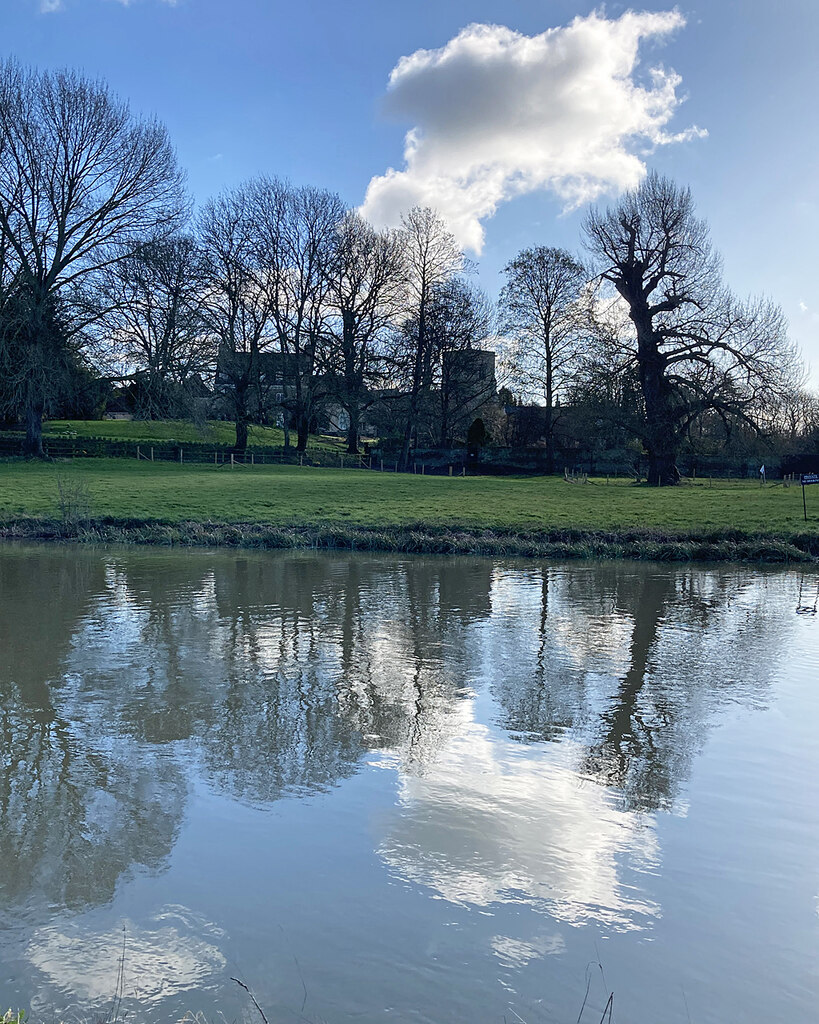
(221,456)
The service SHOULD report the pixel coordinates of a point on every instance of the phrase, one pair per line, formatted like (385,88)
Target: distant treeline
(273,303)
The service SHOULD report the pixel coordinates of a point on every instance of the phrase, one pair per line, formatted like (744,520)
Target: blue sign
(809,478)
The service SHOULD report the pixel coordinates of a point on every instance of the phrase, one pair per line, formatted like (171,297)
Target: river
(383,788)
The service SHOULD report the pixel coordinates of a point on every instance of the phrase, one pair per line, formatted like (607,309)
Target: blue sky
(301,90)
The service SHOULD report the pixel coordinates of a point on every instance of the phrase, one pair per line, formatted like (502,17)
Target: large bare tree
(366,286)
(432,257)
(153,321)
(236,309)
(295,232)
(544,309)
(696,346)
(82,180)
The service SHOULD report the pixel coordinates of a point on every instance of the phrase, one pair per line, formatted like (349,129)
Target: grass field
(212,432)
(288,496)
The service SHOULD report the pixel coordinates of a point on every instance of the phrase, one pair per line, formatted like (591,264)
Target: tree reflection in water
(77,807)
(124,674)
(635,663)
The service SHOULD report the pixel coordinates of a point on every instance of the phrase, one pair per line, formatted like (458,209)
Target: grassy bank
(180,431)
(272,506)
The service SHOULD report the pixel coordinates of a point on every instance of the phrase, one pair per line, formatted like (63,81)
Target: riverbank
(646,545)
(107,501)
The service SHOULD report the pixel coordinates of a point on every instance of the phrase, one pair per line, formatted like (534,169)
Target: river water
(381,788)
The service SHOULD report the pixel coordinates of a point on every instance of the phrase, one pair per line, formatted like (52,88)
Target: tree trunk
(443,435)
(403,461)
(353,381)
(241,434)
(550,440)
(353,428)
(662,469)
(33,444)
(241,417)
(550,423)
(420,356)
(661,438)
(303,432)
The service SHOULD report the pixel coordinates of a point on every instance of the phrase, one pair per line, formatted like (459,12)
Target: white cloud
(497,114)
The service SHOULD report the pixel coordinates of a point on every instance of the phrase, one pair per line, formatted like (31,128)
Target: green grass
(212,432)
(286,496)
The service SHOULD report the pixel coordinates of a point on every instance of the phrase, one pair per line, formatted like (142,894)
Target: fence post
(450,470)
(152,455)
(252,459)
(382,465)
(180,456)
(139,455)
(341,461)
(423,468)
(231,460)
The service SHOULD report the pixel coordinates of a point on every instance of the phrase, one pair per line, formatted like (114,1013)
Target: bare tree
(696,346)
(366,284)
(154,323)
(81,181)
(432,256)
(796,413)
(295,232)
(236,309)
(544,309)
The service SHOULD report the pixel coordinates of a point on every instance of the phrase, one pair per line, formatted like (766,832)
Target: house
(121,405)
(465,387)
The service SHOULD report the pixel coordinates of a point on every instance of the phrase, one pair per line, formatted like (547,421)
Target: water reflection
(77,807)
(637,663)
(174,952)
(534,719)
(497,823)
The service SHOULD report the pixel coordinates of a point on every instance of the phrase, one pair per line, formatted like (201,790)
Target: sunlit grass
(290,495)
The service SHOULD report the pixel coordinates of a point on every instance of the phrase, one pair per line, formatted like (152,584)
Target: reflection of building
(464,590)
